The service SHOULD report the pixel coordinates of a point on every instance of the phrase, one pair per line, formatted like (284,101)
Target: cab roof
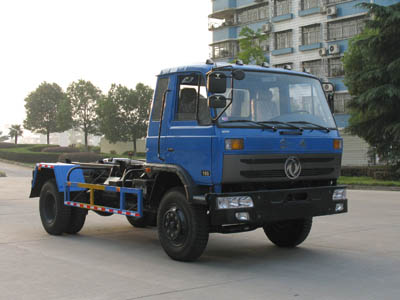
(204,68)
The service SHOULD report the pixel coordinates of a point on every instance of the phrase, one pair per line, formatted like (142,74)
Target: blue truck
(230,148)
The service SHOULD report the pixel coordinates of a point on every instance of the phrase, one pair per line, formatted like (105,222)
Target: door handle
(171,149)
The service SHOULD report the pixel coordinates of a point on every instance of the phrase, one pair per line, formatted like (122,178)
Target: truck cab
(230,148)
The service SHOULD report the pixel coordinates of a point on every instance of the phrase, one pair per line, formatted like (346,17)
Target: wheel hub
(174,225)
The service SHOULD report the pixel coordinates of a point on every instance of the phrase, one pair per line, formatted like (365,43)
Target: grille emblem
(292,167)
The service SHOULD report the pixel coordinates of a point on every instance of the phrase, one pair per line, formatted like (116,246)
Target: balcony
(223,8)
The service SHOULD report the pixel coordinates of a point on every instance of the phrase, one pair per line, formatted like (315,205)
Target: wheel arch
(39,179)
(168,177)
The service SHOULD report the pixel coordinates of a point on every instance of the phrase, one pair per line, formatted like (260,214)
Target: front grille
(262,161)
(281,173)
(271,167)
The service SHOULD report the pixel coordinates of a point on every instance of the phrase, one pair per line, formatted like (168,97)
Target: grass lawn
(367,181)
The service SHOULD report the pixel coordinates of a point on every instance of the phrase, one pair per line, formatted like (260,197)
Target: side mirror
(216,83)
(216,101)
(328,87)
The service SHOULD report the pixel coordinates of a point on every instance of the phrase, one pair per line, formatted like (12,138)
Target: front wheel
(182,227)
(289,233)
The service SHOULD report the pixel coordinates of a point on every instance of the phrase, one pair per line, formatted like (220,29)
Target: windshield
(273,97)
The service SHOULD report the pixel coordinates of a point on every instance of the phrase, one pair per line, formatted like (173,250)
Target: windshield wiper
(313,124)
(261,124)
(283,123)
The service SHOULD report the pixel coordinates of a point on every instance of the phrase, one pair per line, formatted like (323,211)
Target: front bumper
(277,205)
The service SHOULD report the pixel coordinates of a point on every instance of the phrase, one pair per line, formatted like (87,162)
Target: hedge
(80,157)
(376,172)
(39,148)
(29,157)
(60,149)
(11,145)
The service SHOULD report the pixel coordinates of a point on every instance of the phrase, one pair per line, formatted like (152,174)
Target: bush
(2,174)
(95,149)
(39,148)
(80,157)
(11,145)
(138,154)
(60,150)
(29,157)
(377,172)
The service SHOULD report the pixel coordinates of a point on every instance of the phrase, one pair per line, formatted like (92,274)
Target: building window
(281,7)
(314,67)
(335,67)
(307,4)
(341,101)
(283,39)
(224,50)
(311,34)
(253,15)
(264,45)
(345,29)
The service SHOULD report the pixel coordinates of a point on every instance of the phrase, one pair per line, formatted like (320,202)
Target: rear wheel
(182,227)
(289,233)
(54,214)
(77,220)
(137,222)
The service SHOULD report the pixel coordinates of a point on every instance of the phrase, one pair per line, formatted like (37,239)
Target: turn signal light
(234,144)
(337,144)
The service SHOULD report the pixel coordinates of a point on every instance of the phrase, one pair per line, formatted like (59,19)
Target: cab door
(188,144)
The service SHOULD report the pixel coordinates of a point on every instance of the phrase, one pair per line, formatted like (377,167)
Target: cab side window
(192,100)
(162,86)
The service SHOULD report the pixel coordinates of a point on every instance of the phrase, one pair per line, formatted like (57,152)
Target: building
(306,35)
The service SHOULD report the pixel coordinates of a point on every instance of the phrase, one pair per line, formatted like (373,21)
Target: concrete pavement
(350,256)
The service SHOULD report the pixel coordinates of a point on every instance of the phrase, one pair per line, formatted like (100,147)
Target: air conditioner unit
(331,11)
(322,52)
(266,27)
(334,49)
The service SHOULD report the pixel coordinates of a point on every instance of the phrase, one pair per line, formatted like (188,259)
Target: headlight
(339,194)
(234,202)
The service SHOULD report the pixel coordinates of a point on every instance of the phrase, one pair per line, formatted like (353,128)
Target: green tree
(372,75)
(47,110)
(250,46)
(84,98)
(15,131)
(3,137)
(124,113)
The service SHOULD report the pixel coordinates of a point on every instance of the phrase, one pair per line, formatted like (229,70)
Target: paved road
(12,170)
(351,256)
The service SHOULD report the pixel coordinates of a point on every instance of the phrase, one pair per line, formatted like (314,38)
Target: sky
(105,42)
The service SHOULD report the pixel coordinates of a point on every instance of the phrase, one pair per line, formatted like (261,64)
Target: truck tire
(77,220)
(137,222)
(289,233)
(54,214)
(183,228)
